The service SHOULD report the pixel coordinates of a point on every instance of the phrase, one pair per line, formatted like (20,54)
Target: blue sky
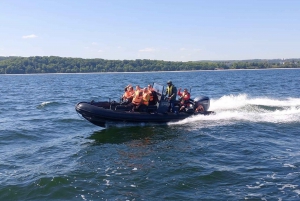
(170,30)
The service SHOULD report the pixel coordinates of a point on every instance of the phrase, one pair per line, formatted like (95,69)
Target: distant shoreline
(186,71)
(54,64)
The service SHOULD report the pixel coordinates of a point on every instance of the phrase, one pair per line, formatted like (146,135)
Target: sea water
(248,150)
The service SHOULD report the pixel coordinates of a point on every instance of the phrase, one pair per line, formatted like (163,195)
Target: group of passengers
(139,99)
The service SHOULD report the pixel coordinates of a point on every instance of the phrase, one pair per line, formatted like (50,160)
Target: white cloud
(100,50)
(182,49)
(147,50)
(94,43)
(29,36)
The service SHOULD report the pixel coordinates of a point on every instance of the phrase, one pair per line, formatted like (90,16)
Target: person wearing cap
(184,99)
(171,93)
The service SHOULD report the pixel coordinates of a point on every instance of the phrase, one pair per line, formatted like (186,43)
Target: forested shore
(55,64)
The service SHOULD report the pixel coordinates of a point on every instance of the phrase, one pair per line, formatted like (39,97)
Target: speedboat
(102,113)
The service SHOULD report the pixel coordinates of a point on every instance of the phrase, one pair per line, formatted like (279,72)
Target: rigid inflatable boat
(102,113)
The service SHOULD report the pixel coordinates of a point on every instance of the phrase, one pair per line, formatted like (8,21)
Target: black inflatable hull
(100,115)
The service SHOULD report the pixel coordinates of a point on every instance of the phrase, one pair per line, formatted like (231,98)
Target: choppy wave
(235,108)
(47,104)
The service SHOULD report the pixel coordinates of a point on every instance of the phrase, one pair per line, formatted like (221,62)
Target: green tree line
(54,64)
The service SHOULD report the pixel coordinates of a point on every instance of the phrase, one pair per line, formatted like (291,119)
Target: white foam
(289,165)
(255,187)
(106,182)
(272,176)
(228,102)
(235,108)
(45,103)
(237,101)
(297,191)
(288,186)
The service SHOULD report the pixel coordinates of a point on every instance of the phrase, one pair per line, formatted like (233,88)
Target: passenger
(171,93)
(128,95)
(125,89)
(153,95)
(137,99)
(184,99)
(131,91)
(138,88)
(145,101)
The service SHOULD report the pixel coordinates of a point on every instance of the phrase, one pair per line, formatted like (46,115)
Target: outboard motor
(202,100)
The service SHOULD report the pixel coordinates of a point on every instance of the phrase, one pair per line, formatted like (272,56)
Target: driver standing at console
(171,93)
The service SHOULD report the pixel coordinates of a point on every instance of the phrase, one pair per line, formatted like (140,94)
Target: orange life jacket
(150,95)
(137,98)
(146,98)
(186,96)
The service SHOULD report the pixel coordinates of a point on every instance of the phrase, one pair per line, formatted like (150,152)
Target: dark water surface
(249,150)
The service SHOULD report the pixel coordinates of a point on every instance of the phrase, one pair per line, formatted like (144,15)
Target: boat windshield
(158,88)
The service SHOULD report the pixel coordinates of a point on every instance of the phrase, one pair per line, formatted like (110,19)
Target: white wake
(236,108)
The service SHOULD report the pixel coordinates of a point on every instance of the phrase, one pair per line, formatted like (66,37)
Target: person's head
(145,89)
(137,87)
(130,88)
(169,83)
(185,90)
(149,86)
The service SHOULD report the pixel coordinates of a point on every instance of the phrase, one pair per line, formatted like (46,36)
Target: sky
(169,30)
